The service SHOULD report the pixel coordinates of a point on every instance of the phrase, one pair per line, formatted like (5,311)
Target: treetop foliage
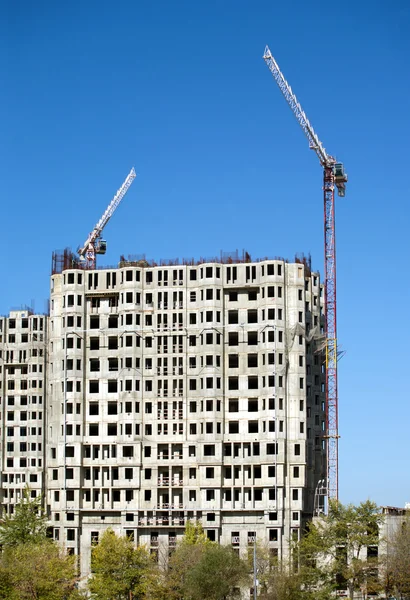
(28,524)
(195,534)
(332,549)
(117,567)
(38,571)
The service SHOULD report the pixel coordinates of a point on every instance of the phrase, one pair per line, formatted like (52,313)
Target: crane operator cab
(340,178)
(101,247)
(339,170)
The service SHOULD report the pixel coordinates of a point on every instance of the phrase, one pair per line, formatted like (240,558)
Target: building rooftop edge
(66,259)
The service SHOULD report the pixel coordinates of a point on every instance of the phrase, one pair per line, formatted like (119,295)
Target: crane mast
(333,175)
(94,244)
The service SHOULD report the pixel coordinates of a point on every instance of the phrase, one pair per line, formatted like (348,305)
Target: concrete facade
(185,392)
(22,403)
(394,519)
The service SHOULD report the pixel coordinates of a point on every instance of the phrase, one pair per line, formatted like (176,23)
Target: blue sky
(179,90)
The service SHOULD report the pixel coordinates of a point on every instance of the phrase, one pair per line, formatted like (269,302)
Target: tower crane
(333,175)
(94,244)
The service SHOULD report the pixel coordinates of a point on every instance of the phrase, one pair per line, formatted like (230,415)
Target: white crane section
(291,99)
(90,247)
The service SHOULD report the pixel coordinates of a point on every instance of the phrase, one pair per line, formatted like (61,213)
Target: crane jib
(97,231)
(296,108)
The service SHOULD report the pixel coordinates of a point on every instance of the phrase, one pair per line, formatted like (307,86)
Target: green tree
(154,583)
(397,562)
(194,534)
(281,582)
(118,568)
(218,574)
(32,567)
(38,571)
(28,523)
(333,553)
(285,579)
(6,584)
(203,570)
(185,557)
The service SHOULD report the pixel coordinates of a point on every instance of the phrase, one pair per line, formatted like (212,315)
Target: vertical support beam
(330,332)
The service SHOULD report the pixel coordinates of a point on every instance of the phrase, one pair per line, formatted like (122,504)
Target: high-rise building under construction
(23,366)
(185,391)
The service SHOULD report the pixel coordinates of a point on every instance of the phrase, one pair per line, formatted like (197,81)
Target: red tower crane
(94,244)
(333,175)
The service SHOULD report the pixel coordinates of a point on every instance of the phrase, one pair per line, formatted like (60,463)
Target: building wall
(185,392)
(22,404)
(394,519)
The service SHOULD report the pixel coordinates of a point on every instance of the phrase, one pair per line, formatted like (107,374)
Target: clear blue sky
(179,90)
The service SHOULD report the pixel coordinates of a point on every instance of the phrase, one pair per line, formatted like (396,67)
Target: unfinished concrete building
(178,392)
(22,403)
